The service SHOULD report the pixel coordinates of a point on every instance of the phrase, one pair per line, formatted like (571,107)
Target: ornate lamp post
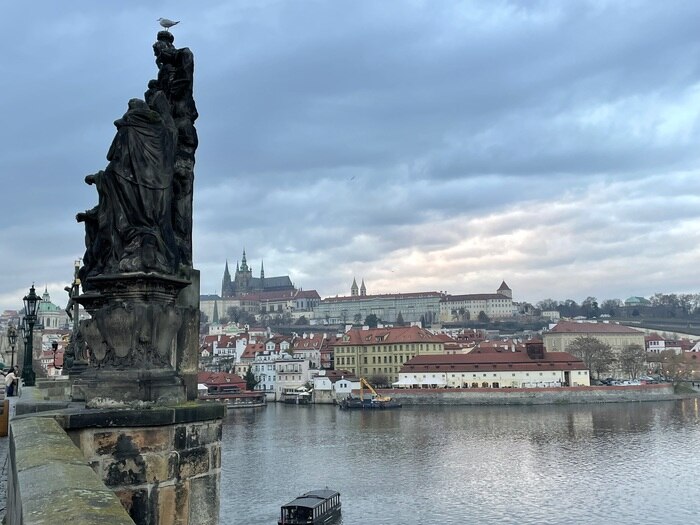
(31,303)
(54,349)
(12,338)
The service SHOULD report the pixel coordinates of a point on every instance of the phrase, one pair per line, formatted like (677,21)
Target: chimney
(535,350)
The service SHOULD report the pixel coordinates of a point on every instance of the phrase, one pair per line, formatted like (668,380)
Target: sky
(418,145)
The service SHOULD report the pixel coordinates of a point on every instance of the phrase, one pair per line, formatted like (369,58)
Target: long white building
(455,308)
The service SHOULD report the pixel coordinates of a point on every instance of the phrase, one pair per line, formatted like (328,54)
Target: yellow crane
(375,396)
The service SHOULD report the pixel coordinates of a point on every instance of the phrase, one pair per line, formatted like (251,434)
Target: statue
(138,282)
(143,220)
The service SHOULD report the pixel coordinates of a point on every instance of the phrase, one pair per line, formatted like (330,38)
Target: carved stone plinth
(131,340)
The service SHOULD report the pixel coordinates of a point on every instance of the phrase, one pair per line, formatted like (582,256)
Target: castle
(244,283)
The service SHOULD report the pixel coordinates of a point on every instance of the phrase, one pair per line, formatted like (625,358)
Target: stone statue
(133,218)
(139,286)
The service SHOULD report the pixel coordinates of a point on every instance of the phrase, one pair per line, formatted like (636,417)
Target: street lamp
(12,338)
(31,303)
(54,349)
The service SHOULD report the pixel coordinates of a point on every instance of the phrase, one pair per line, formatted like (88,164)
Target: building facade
(456,308)
(413,307)
(532,368)
(383,351)
(616,335)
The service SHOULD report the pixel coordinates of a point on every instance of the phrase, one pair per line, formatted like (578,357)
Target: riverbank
(534,396)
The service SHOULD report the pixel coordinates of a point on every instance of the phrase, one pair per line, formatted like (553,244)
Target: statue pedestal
(131,340)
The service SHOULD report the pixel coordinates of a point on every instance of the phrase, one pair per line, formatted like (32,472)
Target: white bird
(167,24)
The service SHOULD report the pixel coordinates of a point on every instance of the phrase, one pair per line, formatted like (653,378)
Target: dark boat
(371,400)
(353,403)
(313,508)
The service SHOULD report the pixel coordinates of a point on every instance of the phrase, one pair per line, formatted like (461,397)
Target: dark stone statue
(140,343)
(143,221)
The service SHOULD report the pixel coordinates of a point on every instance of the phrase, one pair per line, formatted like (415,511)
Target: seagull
(167,24)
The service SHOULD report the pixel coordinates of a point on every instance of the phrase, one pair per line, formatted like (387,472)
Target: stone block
(193,462)
(149,439)
(173,504)
(204,500)
(139,505)
(215,452)
(160,467)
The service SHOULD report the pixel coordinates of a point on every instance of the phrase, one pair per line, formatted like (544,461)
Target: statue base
(128,388)
(130,341)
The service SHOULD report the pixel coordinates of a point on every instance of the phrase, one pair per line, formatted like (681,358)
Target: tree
(399,320)
(569,308)
(250,381)
(483,318)
(302,321)
(597,356)
(372,320)
(238,315)
(589,308)
(632,358)
(675,367)
(547,305)
(357,319)
(610,306)
(379,381)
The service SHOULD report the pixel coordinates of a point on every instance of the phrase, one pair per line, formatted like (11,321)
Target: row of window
(386,348)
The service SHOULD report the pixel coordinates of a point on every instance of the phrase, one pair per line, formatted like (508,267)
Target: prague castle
(244,283)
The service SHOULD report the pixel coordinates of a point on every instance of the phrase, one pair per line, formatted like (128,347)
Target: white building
(331,386)
(456,308)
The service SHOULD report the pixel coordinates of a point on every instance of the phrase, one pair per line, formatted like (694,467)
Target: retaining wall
(530,396)
(155,466)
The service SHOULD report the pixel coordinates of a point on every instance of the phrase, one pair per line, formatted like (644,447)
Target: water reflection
(614,463)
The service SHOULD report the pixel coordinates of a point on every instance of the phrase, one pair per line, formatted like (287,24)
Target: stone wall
(164,474)
(530,396)
(49,480)
(159,466)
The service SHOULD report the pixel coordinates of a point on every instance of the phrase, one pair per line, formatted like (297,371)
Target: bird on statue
(167,24)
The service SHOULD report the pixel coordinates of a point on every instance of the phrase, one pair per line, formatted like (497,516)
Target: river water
(619,463)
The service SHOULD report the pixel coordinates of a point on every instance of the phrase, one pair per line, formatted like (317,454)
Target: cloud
(435,147)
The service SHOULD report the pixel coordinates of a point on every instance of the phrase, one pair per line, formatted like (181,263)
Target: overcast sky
(421,146)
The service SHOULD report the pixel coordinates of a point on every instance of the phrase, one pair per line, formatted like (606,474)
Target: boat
(368,401)
(234,400)
(296,396)
(313,508)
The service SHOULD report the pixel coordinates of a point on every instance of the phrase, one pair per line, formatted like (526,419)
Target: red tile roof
(219,378)
(473,297)
(407,334)
(414,295)
(489,361)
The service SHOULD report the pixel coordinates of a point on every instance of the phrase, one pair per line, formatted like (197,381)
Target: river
(620,463)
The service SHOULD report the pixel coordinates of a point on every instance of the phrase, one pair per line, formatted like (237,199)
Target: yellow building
(616,335)
(383,351)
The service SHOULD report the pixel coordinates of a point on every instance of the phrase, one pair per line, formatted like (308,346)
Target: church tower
(363,289)
(504,289)
(244,276)
(353,288)
(226,283)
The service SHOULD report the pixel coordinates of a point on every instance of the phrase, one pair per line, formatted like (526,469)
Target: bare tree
(632,359)
(597,356)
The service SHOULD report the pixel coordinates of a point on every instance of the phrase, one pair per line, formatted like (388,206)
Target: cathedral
(243,282)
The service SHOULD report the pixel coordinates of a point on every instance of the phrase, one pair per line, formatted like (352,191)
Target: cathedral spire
(262,269)
(353,288)
(244,263)
(226,282)
(363,288)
